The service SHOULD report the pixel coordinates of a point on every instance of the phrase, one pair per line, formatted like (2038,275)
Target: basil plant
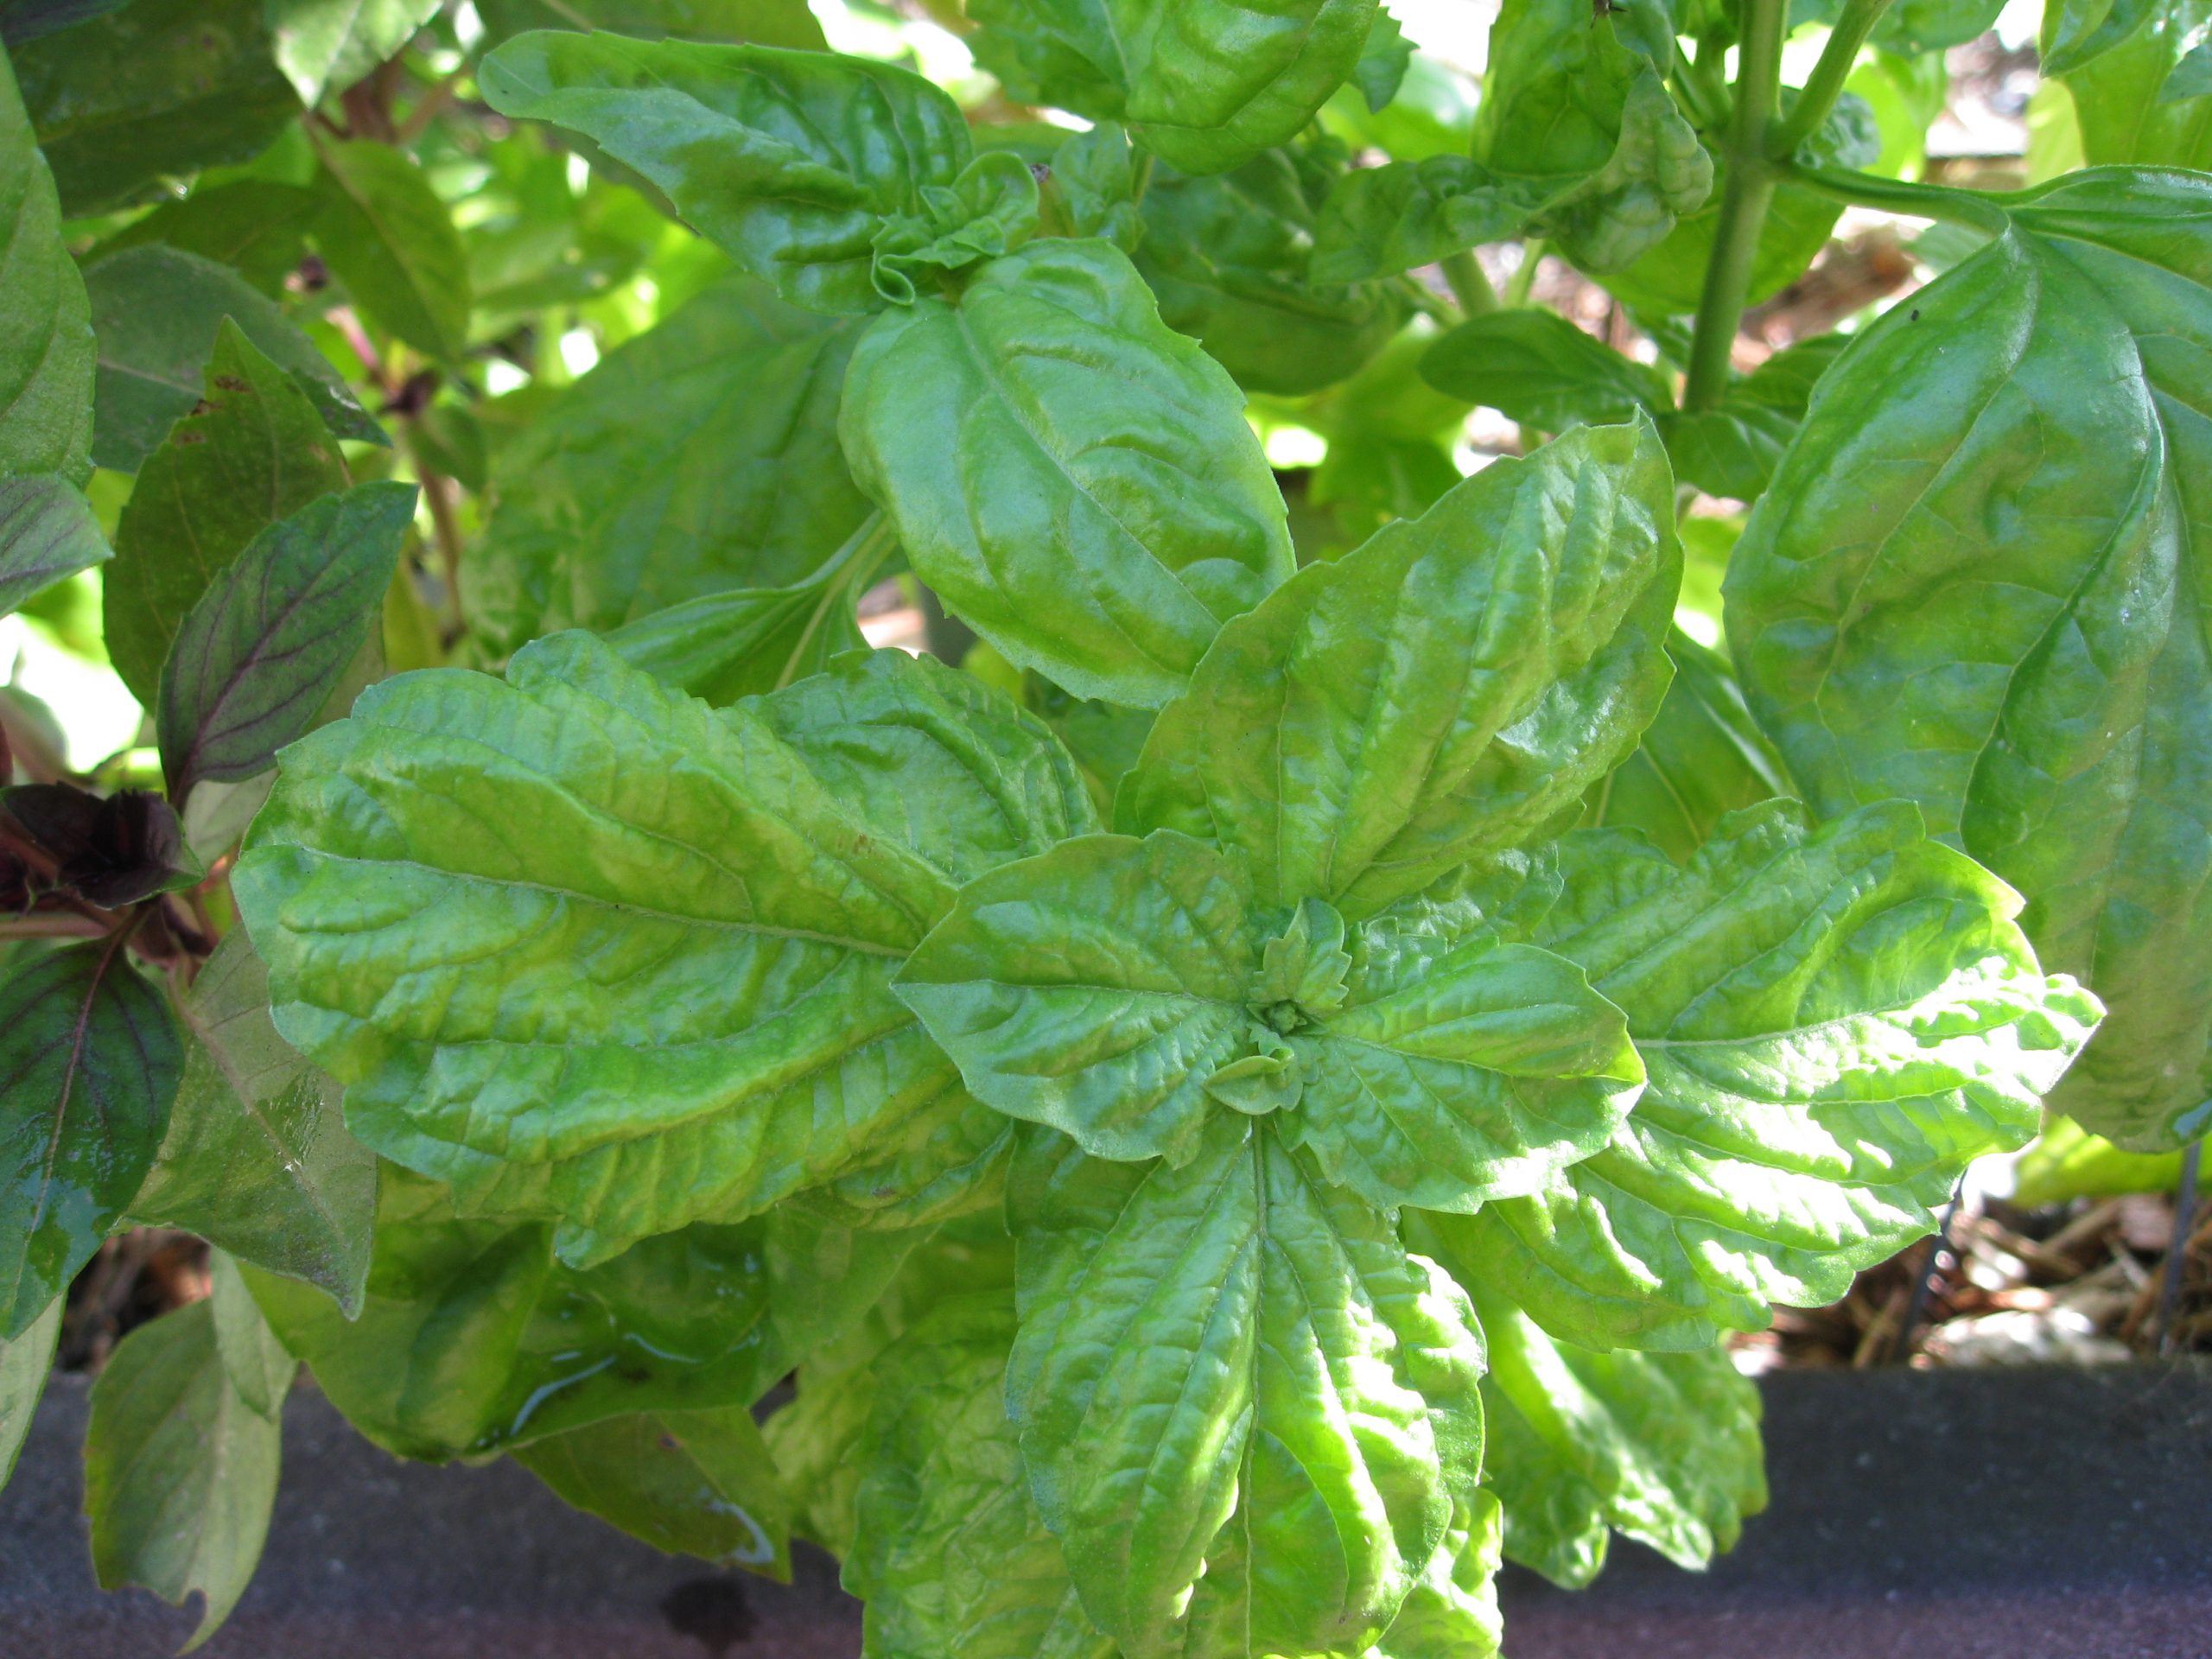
(1260,1079)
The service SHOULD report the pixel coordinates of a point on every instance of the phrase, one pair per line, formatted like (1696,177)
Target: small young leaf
(25,1362)
(1076,480)
(181,1455)
(1538,368)
(1732,449)
(388,238)
(91,1057)
(268,641)
(47,532)
(691,1483)
(328,45)
(1381,65)
(258,1160)
(251,452)
(46,331)
(1436,694)
(157,311)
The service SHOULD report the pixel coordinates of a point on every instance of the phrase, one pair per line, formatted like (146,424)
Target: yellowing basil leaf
(1979,582)
(1835,1023)
(1439,693)
(256,1159)
(45,328)
(91,1057)
(1076,480)
(251,452)
(601,954)
(1246,1413)
(699,459)
(181,1458)
(1205,86)
(949,1549)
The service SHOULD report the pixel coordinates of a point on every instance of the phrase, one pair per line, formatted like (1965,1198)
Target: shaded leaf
(2118,62)
(111,851)
(390,239)
(760,22)
(255,227)
(47,532)
(46,330)
(1732,449)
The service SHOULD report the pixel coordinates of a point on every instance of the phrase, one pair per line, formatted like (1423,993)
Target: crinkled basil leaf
(793,162)
(1378,221)
(1205,86)
(1229,256)
(989,210)
(91,1056)
(1979,582)
(46,327)
(256,1159)
(251,452)
(1701,759)
(151,91)
(949,1551)
(1663,1448)
(1732,449)
(1453,1607)
(1835,1023)
(1441,691)
(691,1483)
(1246,1413)
(699,458)
(1538,368)
(593,952)
(1075,478)
(181,1455)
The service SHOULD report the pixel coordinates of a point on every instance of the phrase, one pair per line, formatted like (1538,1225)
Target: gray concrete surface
(2022,1514)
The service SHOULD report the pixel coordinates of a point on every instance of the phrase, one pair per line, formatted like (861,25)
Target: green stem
(1524,276)
(1748,193)
(1853,25)
(1143,180)
(1464,274)
(1979,210)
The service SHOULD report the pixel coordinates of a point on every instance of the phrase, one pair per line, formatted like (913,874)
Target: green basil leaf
(157,311)
(791,162)
(2192,76)
(1093,178)
(1663,1448)
(1835,1023)
(25,1362)
(1915,27)
(1538,368)
(92,1057)
(2020,649)
(2118,60)
(701,458)
(691,1483)
(1204,86)
(47,532)
(1732,450)
(745,881)
(1383,61)
(1441,691)
(328,45)
(1432,114)
(262,649)
(1453,1609)
(249,452)
(1702,758)
(988,210)
(182,1455)
(473,1339)
(761,23)
(256,1159)
(46,333)
(1379,221)
(1076,480)
(151,91)
(387,237)
(255,227)
(1580,117)
(1228,257)
(949,1551)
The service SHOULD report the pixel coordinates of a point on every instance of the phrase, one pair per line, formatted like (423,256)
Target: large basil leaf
(1663,1448)
(834,178)
(181,1453)
(473,1339)
(701,458)
(157,311)
(2120,61)
(1246,1413)
(90,1057)
(949,1551)
(1701,757)
(257,1160)
(1835,1023)
(594,951)
(1075,478)
(1439,693)
(328,45)
(249,452)
(1228,257)
(388,237)
(1979,582)
(1205,85)
(45,328)
(152,91)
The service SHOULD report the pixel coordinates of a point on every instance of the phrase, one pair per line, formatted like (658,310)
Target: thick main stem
(1469,284)
(1852,26)
(1745,200)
